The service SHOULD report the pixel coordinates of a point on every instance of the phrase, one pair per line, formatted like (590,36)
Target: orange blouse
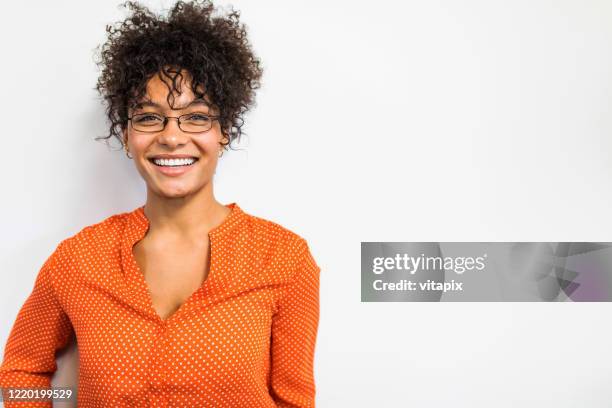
(244,338)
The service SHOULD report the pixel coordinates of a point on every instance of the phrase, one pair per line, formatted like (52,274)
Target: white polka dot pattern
(245,338)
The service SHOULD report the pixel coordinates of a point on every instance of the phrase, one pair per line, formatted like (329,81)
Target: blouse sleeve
(39,330)
(294,332)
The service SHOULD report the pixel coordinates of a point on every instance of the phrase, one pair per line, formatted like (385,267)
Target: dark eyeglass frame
(178,118)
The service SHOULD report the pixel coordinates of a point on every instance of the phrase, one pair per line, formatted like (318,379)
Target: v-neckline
(149,293)
(139,230)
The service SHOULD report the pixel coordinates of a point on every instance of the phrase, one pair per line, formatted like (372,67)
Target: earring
(127,152)
(220,152)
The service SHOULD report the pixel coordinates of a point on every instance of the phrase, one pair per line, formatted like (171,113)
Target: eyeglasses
(194,122)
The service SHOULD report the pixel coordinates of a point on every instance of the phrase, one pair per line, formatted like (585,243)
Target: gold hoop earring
(220,152)
(127,152)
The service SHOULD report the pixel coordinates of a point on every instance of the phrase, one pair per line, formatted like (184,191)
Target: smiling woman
(157,140)
(183,301)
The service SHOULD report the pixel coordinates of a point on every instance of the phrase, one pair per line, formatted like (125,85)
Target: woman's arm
(40,329)
(294,332)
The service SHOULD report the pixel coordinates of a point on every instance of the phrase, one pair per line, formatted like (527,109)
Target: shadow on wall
(67,374)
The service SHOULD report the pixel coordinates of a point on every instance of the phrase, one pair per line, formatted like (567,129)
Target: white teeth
(174,162)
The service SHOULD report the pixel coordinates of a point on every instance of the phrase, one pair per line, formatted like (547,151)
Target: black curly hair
(213,49)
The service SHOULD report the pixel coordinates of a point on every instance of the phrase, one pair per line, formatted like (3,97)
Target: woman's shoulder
(275,241)
(106,230)
(275,233)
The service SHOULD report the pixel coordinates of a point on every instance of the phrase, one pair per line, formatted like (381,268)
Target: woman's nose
(172,135)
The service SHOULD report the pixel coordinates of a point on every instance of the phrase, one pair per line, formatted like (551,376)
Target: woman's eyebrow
(146,103)
(197,101)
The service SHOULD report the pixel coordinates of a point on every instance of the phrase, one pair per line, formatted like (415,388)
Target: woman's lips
(173,171)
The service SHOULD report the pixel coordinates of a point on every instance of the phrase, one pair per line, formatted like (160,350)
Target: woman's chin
(174,190)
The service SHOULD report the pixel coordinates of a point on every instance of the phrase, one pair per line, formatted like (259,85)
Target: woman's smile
(173,166)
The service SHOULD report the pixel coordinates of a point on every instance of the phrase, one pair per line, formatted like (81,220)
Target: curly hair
(213,49)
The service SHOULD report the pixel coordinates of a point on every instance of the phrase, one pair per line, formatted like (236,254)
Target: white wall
(389,121)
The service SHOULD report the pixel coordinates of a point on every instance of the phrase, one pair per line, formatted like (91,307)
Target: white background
(377,121)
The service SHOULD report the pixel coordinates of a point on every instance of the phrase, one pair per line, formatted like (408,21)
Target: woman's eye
(198,117)
(147,118)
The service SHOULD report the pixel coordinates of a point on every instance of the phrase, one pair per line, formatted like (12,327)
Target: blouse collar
(139,223)
(136,228)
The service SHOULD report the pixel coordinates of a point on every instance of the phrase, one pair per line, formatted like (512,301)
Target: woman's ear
(224,137)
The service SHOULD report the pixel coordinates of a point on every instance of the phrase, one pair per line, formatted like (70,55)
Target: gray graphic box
(486,271)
